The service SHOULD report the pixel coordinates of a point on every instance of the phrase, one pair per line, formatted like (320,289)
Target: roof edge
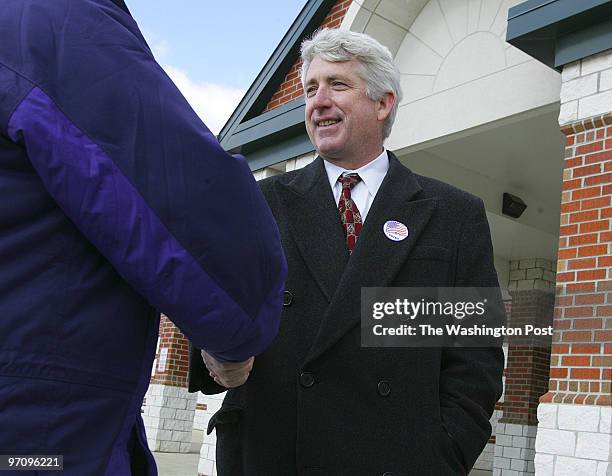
(277,66)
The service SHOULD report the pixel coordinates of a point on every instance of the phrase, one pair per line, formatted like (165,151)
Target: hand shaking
(228,374)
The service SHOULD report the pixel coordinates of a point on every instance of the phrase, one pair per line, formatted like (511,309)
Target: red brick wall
(528,362)
(291,87)
(581,361)
(177,362)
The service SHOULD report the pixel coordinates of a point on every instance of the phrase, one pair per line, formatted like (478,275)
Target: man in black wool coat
(316,402)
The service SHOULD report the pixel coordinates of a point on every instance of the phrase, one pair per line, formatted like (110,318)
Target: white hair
(377,67)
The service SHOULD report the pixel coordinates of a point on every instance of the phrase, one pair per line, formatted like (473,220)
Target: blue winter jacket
(115,200)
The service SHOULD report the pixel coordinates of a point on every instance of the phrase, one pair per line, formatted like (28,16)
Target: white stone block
(574,467)
(164,435)
(170,424)
(515,430)
(530,467)
(530,430)
(519,442)
(510,472)
(152,390)
(503,440)
(547,416)
(568,112)
(212,452)
(503,463)
(527,454)
(204,451)
(579,88)
(594,105)
(556,442)
(497,472)
(499,450)
(570,71)
(167,412)
(594,446)
(153,422)
(184,415)
(177,402)
(604,469)
(544,464)
(531,443)
(166,391)
(597,62)
(181,436)
(205,467)
(152,401)
(578,417)
(210,439)
(151,433)
(605,424)
(518,465)
(500,428)
(169,447)
(185,447)
(512,452)
(154,411)
(605,80)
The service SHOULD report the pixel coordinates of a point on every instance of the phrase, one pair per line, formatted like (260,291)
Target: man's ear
(385,104)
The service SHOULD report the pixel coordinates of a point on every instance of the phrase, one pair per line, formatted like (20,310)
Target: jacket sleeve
(130,163)
(471,378)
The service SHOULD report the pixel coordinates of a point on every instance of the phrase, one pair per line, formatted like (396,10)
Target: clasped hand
(228,374)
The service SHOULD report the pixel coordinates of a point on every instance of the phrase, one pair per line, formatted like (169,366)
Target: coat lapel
(376,259)
(315,225)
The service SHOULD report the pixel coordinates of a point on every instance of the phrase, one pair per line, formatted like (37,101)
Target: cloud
(214,103)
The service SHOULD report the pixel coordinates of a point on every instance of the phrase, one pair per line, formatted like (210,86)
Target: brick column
(574,417)
(531,286)
(168,409)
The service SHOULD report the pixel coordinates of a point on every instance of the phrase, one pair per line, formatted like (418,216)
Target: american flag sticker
(395,230)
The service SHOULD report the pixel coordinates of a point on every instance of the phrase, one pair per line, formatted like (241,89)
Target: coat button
(384,389)
(287,298)
(306,379)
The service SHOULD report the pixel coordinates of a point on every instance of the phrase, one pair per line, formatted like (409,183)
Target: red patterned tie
(349,213)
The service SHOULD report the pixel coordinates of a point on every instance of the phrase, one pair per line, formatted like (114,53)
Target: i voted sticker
(395,230)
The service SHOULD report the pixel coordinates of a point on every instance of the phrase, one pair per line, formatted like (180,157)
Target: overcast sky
(213,50)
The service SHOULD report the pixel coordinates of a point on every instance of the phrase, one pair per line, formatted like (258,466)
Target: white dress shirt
(364,191)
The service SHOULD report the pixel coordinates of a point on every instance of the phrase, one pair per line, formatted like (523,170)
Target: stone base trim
(514,450)
(168,415)
(206,464)
(574,440)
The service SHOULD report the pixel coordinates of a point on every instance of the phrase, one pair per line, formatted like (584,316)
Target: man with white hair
(316,402)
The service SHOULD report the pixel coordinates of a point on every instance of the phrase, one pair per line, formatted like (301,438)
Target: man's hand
(228,374)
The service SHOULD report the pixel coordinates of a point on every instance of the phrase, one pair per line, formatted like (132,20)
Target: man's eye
(339,85)
(311,92)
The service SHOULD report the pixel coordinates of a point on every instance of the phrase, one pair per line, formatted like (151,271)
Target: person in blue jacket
(116,202)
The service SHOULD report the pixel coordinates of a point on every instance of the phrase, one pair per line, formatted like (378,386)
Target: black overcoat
(316,402)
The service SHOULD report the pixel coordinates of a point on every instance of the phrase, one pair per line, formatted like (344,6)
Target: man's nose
(321,98)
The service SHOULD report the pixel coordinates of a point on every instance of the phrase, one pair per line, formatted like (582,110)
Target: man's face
(343,123)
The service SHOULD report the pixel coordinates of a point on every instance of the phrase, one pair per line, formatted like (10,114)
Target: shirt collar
(372,174)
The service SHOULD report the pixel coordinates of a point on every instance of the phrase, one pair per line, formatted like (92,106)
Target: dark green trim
(274,71)
(557,32)
(279,151)
(572,47)
(267,126)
